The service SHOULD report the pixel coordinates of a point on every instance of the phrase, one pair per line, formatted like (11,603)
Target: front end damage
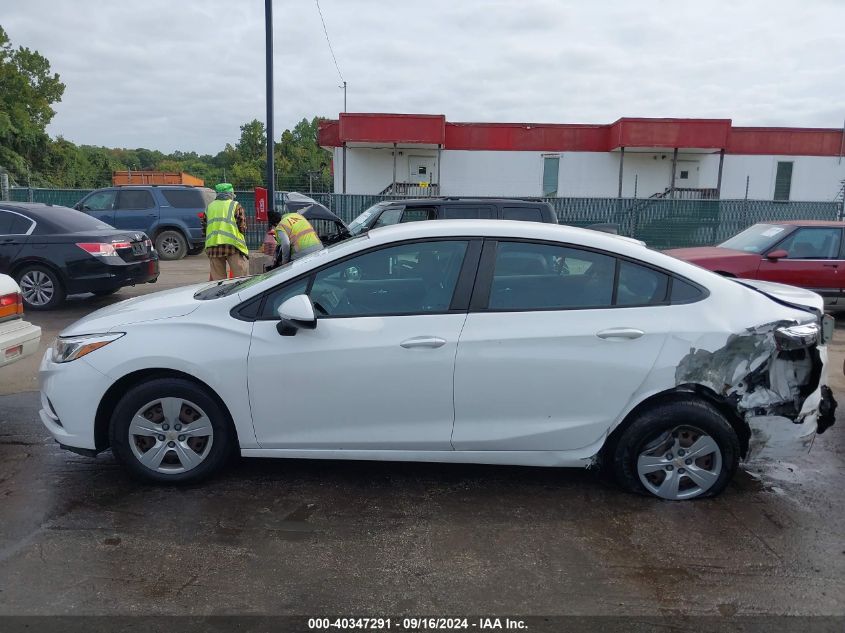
(773,377)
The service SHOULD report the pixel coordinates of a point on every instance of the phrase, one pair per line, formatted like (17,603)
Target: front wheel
(171,245)
(171,431)
(677,450)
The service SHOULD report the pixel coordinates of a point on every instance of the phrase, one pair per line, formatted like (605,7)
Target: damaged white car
(465,341)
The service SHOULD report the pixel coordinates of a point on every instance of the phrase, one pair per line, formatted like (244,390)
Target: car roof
(835,223)
(513,229)
(35,209)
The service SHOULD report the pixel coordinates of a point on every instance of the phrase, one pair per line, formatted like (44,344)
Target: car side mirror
(778,254)
(78,206)
(296,313)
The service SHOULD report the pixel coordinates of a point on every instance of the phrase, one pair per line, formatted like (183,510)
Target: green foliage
(28,91)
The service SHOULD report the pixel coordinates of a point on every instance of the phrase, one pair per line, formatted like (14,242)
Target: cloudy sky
(184,74)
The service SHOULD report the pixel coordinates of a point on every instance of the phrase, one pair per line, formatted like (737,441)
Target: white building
(695,158)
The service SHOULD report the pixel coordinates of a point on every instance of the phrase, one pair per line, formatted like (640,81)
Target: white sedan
(18,338)
(488,342)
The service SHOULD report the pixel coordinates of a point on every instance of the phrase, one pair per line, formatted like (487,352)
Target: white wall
(482,173)
(369,171)
(813,177)
(590,174)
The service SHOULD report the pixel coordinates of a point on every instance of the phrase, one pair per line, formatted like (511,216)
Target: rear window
(63,220)
(526,214)
(184,198)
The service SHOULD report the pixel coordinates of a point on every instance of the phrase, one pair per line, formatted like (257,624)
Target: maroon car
(803,253)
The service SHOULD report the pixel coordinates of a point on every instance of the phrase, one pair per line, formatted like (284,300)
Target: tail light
(101,249)
(11,306)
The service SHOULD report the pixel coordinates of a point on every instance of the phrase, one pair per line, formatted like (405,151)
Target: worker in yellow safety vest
(295,229)
(224,226)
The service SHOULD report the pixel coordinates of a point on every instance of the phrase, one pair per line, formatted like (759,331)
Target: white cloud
(185,74)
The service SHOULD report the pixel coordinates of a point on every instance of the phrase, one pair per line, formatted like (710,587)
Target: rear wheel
(41,288)
(677,450)
(171,431)
(171,245)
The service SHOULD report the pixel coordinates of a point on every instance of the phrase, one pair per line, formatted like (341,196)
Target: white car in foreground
(488,342)
(18,338)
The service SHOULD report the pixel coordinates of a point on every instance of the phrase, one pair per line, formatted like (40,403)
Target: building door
(687,174)
(422,169)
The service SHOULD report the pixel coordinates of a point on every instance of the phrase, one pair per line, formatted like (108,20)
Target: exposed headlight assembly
(68,348)
(797,336)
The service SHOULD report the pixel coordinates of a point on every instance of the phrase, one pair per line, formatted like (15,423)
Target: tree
(28,91)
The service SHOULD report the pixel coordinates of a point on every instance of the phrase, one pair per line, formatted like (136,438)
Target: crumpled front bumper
(777,437)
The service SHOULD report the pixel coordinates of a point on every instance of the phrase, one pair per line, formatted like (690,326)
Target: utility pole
(271,170)
(344,142)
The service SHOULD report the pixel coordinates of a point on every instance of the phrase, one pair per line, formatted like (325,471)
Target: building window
(684,175)
(783,180)
(551,166)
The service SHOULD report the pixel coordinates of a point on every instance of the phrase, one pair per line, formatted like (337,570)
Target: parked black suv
(169,214)
(395,211)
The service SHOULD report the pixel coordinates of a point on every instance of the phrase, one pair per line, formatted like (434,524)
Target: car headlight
(797,336)
(68,348)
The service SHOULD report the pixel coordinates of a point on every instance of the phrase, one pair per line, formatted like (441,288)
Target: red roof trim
(715,134)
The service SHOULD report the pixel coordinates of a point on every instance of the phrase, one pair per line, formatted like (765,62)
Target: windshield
(229,286)
(755,239)
(362,222)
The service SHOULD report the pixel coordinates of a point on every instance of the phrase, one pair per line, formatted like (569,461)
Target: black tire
(654,423)
(105,293)
(196,250)
(32,296)
(223,442)
(171,245)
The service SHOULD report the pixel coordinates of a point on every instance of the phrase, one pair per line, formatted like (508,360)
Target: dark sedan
(54,251)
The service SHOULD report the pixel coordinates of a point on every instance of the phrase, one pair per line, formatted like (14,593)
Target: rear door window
(14,224)
(531,276)
(135,199)
(467,212)
(526,214)
(640,285)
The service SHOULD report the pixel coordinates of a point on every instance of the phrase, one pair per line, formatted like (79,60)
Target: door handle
(831,265)
(423,341)
(620,332)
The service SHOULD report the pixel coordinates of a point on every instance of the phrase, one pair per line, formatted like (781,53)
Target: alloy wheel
(680,464)
(37,287)
(170,435)
(170,245)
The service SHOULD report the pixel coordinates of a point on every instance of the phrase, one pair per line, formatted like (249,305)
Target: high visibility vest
(221,226)
(300,232)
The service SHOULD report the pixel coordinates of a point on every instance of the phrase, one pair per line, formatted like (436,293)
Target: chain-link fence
(660,222)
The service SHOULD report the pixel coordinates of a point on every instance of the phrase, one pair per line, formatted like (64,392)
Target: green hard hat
(224,187)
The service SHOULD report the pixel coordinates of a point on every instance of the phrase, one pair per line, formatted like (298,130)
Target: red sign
(260,204)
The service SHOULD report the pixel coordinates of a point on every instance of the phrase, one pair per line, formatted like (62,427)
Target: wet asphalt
(77,536)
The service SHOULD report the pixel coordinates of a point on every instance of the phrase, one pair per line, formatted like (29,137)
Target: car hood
(160,305)
(710,253)
(789,294)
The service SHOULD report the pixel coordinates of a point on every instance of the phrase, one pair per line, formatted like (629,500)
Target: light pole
(271,170)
